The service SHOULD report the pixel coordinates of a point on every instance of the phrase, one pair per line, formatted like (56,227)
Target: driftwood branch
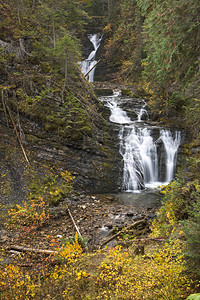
(143,221)
(92,68)
(33,250)
(76,227)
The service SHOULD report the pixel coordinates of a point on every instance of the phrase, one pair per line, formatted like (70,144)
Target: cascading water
(171,148)
(140,148)
(90,62)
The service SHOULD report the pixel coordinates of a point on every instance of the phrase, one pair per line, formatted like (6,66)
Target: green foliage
(51,187)
(171,34)
(41,58)
(192,232)
(192,111)
(124,42)
(193,297)
(178,195)
(82,241)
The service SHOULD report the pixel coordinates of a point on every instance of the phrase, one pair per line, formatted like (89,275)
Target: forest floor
(97,217)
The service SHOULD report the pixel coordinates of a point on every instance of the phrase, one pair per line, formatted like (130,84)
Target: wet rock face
(87,47)
(94,161)
(93,171)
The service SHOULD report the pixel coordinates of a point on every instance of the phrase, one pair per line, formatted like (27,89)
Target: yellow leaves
(120,276)
(33,212)
(164,192)
(67,176)
(108,28)
(126,277)
(82,275)
(69,251)
(143,64)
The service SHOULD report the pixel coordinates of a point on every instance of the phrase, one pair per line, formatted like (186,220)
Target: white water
(171,148)
(88,63)
(117,114)
(141,151)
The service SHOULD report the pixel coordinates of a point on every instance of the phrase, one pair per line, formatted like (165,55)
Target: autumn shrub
(158,276)
(41,192)
(59,281)
(191,228)
(69,252)
(31,213)
(51,186)
(177,196)
(117,274)
(15,284)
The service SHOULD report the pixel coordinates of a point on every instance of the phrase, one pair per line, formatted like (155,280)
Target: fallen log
(143,240)
(92,68)
(143,221)
(33,250)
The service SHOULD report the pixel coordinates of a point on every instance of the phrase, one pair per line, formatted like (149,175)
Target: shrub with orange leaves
(31,213)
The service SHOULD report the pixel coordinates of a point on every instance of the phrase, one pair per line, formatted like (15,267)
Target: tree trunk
(53,26)
(65,81)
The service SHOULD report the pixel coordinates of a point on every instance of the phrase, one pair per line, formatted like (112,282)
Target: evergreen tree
(124,40)
(192,231)
(172,42)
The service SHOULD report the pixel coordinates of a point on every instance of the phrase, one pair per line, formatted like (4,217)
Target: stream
(149,153)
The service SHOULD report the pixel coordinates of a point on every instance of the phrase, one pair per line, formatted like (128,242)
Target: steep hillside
(43,93)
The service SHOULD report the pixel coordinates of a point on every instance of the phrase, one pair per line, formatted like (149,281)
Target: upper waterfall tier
(90,62)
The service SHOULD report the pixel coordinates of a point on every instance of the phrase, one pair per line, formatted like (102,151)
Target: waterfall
(140,158)
(90,62)
(140,148)
(117,114)
(142,112)
(171,148)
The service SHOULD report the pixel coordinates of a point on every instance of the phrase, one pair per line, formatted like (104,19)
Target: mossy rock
(103,92)
(127,92)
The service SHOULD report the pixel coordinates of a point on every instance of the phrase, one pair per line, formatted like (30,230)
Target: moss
(6,187)
(126,92)
(32,138)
